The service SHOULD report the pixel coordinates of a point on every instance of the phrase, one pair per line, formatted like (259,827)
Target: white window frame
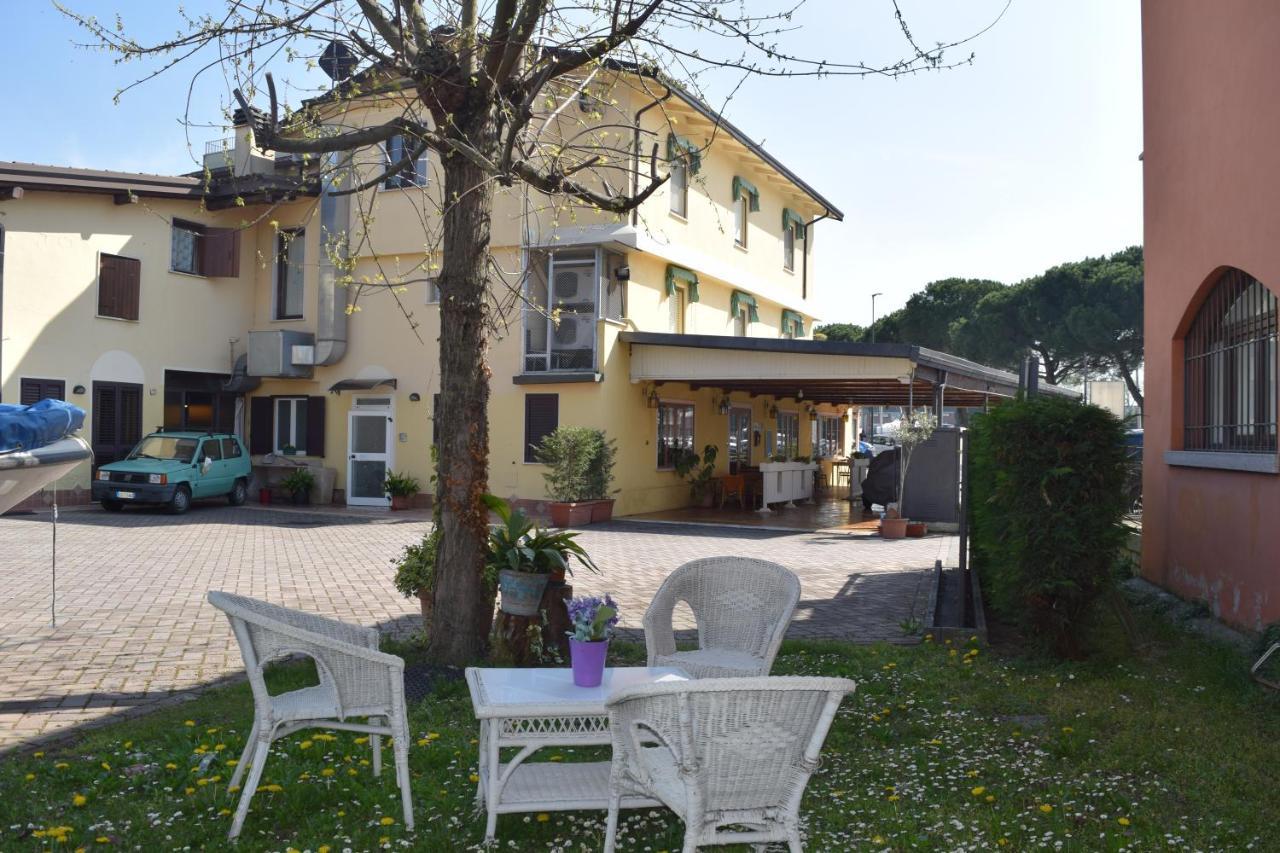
(298,443)
(679,184)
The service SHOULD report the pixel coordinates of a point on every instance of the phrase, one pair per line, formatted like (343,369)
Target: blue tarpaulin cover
(29,427)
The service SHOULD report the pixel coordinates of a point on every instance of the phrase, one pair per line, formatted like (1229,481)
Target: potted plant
(699,472)
(416,572)
(914,431)
(298,484)
(522,557)
(402,488)
(581,462)
(593,620)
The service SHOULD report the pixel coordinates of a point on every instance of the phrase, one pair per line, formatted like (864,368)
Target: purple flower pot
(588,661)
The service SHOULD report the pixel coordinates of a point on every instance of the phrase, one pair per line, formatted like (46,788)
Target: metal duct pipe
(335,219)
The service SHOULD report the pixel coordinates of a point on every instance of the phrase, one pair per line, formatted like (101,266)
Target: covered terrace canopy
(839,373)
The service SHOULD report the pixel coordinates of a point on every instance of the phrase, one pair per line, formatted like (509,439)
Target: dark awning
(361,385)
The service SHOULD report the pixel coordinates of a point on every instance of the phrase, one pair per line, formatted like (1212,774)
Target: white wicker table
(528,709)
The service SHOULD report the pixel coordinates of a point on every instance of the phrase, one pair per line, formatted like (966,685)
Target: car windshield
(165,447)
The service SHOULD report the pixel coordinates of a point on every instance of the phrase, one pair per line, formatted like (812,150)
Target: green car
(175,468)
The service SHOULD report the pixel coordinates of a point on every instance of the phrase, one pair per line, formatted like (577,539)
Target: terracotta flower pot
(601,510)
(566,514)
(401,501)
(916,529)
(893,528)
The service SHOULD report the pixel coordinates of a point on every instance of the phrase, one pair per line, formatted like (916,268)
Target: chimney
(247,158)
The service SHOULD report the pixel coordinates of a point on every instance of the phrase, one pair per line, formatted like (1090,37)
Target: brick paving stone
(134,632)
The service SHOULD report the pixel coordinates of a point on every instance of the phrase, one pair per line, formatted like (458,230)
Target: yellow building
(220,301)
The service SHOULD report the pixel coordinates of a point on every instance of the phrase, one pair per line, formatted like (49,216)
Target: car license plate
(126,496)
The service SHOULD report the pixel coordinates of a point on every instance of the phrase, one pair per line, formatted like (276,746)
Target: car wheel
(181,500)
(239,493)
(111,506)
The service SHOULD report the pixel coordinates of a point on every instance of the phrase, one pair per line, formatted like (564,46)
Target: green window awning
(794,321)
(740,300)
(680,275)
(678,147)
(791,219)
(742,185)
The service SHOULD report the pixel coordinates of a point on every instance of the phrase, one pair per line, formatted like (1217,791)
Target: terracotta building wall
(1211,91)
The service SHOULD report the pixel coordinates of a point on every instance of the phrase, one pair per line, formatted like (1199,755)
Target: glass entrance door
(369,457)
(739,439)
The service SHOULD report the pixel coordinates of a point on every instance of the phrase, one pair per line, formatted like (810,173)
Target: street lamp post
(873,316)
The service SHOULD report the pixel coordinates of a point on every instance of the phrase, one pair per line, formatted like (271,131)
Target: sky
(1026,158)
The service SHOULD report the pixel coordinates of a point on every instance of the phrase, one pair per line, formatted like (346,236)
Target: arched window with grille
(1229,378)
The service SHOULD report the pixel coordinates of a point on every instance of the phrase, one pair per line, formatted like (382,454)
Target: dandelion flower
(543,817)
(475,777)
(38,754)
(202,782)
(351,771)
(231,789)
(362,740)
(79,800)
(433,735)
(232,762)
(323,848)
(30,777)
(423,741)
(190,790)
(1066,730)
(189,723)
(387,821)
(306,744)
(1124,821)
(102,839)
(879,839)
(327,772)
(1046,808)
(128,744)
(273,788)
(224,812)
(219,747)
(978,791)
(990,798)
(61,765)
(893,798)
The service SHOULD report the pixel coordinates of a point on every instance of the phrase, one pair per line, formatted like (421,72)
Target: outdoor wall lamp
(415,397)
(651,399)
(724,405)
(79,389)
(773,411)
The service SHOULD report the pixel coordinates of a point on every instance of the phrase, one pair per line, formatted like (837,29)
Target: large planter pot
(601,510)
(916,529)
(521,591)
(588,659)
(401,501)
(566,514)
(301,498)
(893,528)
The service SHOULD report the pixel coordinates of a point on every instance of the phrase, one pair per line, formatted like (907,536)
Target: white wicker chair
(722,753)
(356,680)
(742,607)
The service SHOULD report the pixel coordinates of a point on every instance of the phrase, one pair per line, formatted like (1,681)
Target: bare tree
(483,86)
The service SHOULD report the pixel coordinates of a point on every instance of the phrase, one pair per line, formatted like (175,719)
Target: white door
(369,452)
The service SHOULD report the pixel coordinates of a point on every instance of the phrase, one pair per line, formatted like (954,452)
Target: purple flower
(583,612)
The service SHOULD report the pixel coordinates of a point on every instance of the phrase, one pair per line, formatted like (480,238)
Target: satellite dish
(338,61)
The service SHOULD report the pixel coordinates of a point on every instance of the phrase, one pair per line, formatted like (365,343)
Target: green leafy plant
(915,430)
(1047,480)
(581,460)
(400,485)
(416,566)
(804,459)
(518,543)
(698,470)
(299,481)
(778,457)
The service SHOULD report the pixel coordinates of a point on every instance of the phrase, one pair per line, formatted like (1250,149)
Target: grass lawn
(942,747)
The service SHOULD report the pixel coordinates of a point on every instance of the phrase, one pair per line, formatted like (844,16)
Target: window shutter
(541,417)
(130,416)
(119,280)
(261,424)
(220,253)
(315,426)
(108,287)
(32,391)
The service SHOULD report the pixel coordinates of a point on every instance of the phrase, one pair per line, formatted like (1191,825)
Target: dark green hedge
(1047,498)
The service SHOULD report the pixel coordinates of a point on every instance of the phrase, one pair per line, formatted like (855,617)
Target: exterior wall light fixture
(79,389)
(415,397)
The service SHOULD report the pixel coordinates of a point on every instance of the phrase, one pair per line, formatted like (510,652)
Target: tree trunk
(1131,381)
(463,610)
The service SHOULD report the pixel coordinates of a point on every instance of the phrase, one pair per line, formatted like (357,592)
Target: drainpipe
(635,156)
(804,264)
(331,313)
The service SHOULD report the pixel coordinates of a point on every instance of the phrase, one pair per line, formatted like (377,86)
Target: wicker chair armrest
(659,634)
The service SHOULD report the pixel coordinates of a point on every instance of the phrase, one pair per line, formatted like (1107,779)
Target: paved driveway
(133,629)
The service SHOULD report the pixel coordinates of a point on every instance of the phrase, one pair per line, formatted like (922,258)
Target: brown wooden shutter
(220,253)
(262,424)
(315,426)
(541,417)
(32,391)
(119,282)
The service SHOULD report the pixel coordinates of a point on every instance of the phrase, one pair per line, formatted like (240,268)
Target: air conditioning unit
(275,353)
(574,284)
(574,331)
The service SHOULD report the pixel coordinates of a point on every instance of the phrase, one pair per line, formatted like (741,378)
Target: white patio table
(529,709)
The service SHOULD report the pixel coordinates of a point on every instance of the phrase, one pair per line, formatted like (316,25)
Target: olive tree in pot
(699,471)
(581,461)
(915,430)
(416,572)
(522,557)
